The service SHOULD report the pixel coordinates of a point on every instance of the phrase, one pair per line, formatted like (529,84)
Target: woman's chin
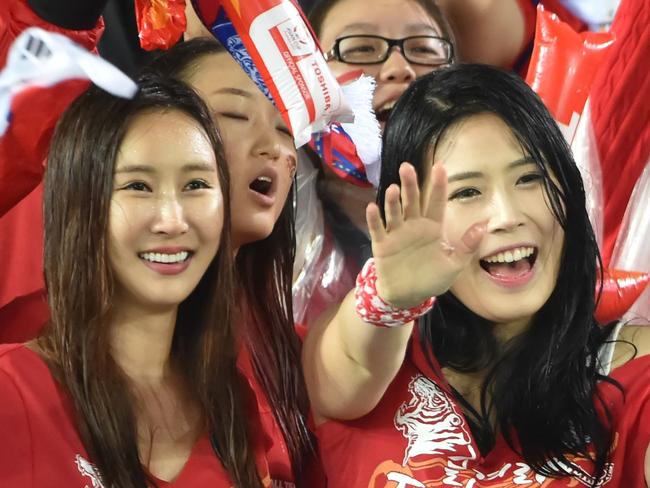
(250,235)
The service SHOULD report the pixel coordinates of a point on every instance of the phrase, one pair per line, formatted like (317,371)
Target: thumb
(470,240)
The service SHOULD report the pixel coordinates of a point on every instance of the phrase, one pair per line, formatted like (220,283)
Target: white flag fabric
(41,58)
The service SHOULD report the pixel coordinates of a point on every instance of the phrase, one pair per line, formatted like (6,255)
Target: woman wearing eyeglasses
(395,42)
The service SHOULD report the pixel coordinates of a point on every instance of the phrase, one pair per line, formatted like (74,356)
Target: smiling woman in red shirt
(505,379)
(135,380)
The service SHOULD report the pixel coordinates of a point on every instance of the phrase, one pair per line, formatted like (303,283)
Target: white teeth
(387,106)
(268,179)
(156,257)
(511,256)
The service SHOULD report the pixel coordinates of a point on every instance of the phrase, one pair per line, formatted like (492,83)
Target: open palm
(412,257)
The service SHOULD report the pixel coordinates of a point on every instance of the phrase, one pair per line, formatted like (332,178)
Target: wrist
(373,309)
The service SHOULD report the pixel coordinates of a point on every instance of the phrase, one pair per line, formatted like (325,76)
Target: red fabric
(621,114)
(277,453)
(23,318)
(41,444)
(23,305)
(23,149)
(16,16)
(418,435)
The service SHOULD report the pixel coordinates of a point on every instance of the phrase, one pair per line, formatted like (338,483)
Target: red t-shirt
(23,149)
(418,437)
(42,448)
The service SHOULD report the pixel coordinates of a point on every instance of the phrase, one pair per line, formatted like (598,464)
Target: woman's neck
(503,332)
(141,342)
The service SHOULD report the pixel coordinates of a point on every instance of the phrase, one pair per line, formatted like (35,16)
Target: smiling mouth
(165,258)
(262,185)
(510,264)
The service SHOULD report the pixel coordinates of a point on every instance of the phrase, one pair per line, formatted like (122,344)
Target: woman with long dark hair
(134,382)
(505,379)
(261,158)
(262,153)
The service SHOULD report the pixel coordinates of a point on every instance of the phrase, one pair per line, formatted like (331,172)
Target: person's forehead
(218,71)
(482,137)
(389,18)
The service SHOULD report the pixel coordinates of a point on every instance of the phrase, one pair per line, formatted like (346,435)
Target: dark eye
(464,194)
(233,115)
(137,186)
(197,185)
(529,178)
(284,130)
(360,49)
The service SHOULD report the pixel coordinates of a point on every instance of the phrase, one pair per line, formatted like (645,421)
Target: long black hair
(541,386)
(80,284)
(264,273)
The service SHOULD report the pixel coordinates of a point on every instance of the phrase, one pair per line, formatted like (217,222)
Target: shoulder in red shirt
(41,446)
(418,437)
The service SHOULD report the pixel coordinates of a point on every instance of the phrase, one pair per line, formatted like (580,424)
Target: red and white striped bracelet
(374,310)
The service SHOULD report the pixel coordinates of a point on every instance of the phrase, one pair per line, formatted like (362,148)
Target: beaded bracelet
(373,310)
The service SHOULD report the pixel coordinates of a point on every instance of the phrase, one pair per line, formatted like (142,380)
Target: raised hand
(413,259)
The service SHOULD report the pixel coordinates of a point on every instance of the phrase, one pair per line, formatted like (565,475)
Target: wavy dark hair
(80,286)
(264,274)
(540,387)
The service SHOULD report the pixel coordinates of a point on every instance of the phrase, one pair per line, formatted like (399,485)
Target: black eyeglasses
(422,50)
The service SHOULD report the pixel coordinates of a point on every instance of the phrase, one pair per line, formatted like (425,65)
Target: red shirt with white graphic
(418,437)
(42,448)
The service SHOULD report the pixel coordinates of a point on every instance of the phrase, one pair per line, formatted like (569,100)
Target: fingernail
(474,234)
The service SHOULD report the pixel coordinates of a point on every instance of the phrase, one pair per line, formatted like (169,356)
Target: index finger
(437,193)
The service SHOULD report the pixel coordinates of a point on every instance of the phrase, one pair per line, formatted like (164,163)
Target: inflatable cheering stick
(272,41)
(563,66)
(632,250)
(161,23)
(562,70)
(620,290)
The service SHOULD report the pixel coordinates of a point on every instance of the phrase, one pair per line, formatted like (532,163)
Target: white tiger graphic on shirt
(431,423)
(436,431)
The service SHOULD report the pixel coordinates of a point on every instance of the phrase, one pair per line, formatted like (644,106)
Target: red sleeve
(24,146)
(15,438)
(630,411)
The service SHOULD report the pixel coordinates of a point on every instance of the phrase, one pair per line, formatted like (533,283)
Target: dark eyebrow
(465,176)
(146,168)
(477,174)
(410,28)
(420,26)
(522,162)
(358,26)
(233,91)
(136,168)
(199,167)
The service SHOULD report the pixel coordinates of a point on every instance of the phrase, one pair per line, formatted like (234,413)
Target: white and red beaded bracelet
(374,310)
